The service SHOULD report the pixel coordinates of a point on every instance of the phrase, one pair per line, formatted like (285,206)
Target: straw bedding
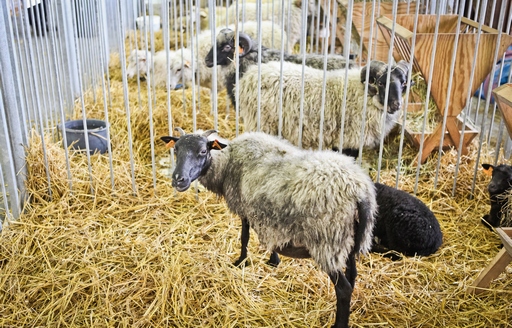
(144,256)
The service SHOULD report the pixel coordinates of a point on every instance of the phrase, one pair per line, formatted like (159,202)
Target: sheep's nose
(178,178)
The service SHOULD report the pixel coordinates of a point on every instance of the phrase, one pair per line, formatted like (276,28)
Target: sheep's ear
(372,91)
(186,64)
(216,144)
(245,44)
(169,141)
(203,13)
(488,169)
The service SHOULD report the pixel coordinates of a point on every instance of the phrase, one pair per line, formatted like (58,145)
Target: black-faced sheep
(301,203)
(499,188)
(204,40)
(268,114)
(404,224)
(225,44)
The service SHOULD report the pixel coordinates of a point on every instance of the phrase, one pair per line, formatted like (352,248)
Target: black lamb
(404,224)
(499,187)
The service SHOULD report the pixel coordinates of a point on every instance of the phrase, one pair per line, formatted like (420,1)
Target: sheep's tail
(364,227)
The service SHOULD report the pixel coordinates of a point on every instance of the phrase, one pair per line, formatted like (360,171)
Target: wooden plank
(491,272)
(380,48)
(474,24)
(503,96)
(505,238)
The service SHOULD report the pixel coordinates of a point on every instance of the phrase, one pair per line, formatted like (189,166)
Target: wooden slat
(491,272)
(505,234)
(474,24)
(503,96)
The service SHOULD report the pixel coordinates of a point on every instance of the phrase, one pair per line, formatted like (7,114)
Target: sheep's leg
(274,259)
(343,291)
(351,270)
(244,238)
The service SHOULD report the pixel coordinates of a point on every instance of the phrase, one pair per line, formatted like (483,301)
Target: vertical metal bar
(488,92)
(119,20)
(448,96)
(281,85)
(60,104)
(302,84)
(427,101)
(386,97)
(258,88)
(18,78)
(407,92)
(324,83)
(346,53)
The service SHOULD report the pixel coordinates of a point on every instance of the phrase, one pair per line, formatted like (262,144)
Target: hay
(151,257)
(506,215)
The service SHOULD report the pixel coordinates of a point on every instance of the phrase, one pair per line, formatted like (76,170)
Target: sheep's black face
(192,160)
(501,179)
(225,45)
(397,86)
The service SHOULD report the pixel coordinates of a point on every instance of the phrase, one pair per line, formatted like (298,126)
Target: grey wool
(353,131)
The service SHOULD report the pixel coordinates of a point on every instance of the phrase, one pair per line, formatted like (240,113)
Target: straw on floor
(97,255)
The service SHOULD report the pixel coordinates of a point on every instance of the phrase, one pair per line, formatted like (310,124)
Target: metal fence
(55,51)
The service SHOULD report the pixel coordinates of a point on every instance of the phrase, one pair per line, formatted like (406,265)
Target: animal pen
(96,236)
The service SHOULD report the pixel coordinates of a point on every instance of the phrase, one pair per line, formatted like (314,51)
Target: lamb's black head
(377,82)
(501,180)
(193,156)
(225,45)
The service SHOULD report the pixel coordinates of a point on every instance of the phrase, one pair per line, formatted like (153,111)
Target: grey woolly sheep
(225,44)
(404,224)
(301,203)
(499,189)
(313,83)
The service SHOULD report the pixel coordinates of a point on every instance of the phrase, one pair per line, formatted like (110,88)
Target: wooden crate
(450,99)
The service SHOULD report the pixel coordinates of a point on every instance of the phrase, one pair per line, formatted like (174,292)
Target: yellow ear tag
(488,172)
(186,64)
(215,145)
(170,144)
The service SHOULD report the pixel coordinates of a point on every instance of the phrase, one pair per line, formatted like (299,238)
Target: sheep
(301,203)
(225,44)
(499,189)
(155,66)
(313,83)
(205,44)
(141,60)
(404,224)
(269,12)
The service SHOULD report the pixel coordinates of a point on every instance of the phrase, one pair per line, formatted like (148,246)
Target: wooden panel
(427,23)
(503,96)
(379,45)
(493,270)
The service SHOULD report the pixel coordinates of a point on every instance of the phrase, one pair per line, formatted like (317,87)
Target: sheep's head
(225,45)
(138,60)
(181,69)
(193,156)
(501,180)
(377,83)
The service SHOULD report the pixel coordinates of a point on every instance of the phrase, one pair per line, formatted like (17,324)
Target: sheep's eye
(202,152)
(226,48)
(178,70)
(380,84)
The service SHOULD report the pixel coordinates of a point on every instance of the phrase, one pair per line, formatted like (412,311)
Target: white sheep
(301,203)
(139,60)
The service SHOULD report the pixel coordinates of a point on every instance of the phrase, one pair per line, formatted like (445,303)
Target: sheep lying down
(301,203)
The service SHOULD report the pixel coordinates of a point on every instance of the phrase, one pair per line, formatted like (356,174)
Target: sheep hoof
(239,263)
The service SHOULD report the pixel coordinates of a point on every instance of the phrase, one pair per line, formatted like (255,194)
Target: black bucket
(97,135)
